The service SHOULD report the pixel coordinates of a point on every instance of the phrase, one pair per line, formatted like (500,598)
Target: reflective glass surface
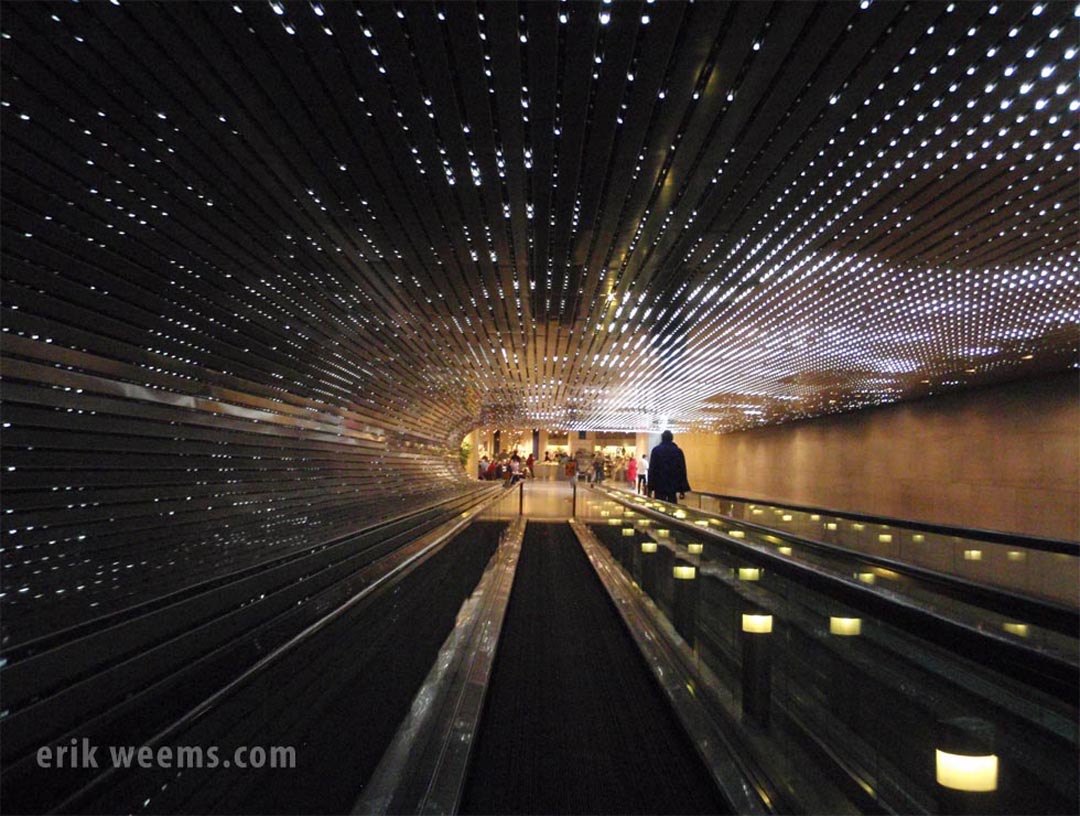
(828,690)
(1021,565)
(881,559)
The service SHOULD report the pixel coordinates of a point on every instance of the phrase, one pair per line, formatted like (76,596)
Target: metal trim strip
(424,768)
(673,667)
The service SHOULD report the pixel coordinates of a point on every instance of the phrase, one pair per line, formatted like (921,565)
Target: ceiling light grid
(386,274)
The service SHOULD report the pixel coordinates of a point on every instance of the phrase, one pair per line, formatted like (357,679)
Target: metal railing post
(521,497)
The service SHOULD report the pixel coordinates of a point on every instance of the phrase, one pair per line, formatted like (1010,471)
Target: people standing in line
(667,470)
(631,472)
(643,475)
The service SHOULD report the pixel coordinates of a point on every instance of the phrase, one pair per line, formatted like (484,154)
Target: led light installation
(264,264)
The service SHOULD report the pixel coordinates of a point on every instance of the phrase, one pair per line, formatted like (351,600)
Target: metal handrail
(994,536)
(1040,669)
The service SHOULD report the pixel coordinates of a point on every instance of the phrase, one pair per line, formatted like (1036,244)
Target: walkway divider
(373,578)
(423,771)
(681,678)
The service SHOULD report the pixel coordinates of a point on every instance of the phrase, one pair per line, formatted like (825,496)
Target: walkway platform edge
(672,665)
(424,768)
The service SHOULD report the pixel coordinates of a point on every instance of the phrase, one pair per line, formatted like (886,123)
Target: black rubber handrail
(1039,611)
(1042,612)
(994,536)
(1047,672)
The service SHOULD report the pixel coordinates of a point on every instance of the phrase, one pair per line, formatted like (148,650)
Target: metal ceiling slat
(354,321)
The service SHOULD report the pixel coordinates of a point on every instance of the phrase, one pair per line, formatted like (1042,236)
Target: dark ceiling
(572,215)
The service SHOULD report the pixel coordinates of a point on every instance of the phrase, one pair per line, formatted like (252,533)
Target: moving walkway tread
(574,722)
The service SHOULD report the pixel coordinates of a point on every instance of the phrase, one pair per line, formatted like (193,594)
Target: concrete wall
(1000,458)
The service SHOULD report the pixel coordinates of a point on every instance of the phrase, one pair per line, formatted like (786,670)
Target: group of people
(505,467)
(661,473)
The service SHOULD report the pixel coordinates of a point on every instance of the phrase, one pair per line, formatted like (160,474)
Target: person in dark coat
(667,470)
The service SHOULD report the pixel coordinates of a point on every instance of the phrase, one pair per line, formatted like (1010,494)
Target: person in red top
(631,472)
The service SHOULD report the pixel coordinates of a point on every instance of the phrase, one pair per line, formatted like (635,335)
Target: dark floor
(573,722)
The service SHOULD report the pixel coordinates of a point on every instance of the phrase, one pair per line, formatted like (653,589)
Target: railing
(169,660)
(852,678)
(996,536)
(1040,567)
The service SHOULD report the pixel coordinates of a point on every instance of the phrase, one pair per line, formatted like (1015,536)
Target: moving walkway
(629,661)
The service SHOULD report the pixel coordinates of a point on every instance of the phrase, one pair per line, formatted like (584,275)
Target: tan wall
(999,458)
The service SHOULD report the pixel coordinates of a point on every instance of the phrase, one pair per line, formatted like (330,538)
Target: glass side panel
(848,565)
(833,690)
(1025,569)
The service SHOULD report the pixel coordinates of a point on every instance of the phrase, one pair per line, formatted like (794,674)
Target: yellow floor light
(975,774)
(845,627)
(757,624)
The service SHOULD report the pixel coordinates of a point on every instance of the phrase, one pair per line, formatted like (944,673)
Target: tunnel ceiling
(569,215)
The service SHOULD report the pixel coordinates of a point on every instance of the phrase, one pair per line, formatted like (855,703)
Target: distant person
(529,465)
(515,469)
(598,468)
(547,456)
(631,472)
(667,470)
(483,467)
(582,462)
(643,475)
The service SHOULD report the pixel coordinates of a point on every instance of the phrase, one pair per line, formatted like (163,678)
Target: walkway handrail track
(424,768)
(1040,611)
(1036,668)
(385,572)
(59,660)
(1054,545)
(675,670)
(59,637)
